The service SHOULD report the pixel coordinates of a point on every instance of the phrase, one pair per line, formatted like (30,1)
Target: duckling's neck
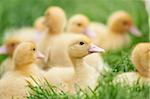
(24,69)
(80,67)
(54,31)
(145,74)
(116,31)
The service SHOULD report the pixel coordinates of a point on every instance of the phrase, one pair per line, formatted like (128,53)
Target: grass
(19,13)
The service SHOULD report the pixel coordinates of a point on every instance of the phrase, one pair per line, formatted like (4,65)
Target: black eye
(81,43)
(13,45)
(125,23)
(33,49)
(79,24)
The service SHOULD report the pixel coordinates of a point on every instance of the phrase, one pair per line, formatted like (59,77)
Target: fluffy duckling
(80,24)
(28,33)
(81,73)
(8,48)
(13,84)
(115,36)
(141,60)
(39,24)
(55,20)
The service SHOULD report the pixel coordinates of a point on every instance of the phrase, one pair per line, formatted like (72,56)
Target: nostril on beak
(95,49)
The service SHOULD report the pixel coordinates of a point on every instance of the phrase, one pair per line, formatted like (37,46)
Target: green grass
(18,13)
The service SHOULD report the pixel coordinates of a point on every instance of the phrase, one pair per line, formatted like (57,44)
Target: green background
(19,13)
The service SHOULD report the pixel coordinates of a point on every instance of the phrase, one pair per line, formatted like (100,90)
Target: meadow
(20,13)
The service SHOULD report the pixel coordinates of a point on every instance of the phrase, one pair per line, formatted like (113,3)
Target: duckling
(28,33)
(13,84)
(80,24)
(8,48)
(115,36)
(55,20)
(81,73)
(140,58)
(39,24)
(40,28)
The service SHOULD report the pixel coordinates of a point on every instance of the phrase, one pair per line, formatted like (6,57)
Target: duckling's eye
(13,45)
(81,43)
(125,23)
(33,49)
(79,24)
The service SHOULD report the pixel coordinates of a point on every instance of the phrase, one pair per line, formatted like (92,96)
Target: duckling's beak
(89,33)
(3,50)
(95,49)
(39,55)
(135,31)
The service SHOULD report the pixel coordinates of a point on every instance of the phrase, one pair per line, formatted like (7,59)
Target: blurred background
(22,13)
(18,13)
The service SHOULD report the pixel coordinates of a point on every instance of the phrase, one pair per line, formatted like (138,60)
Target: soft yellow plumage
(13,83)
(114,36)
(81,73)
(141,60)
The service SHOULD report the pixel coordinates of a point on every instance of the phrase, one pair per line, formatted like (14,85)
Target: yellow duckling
(39,24)
(8,48)
(81,73)
(115,36)
(80,24)
(13,84)
(55,20)
(141,60)
(28,33)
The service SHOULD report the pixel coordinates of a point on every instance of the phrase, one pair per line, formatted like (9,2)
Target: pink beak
(3,50)
(90,33)
(95,49)
(135,31)
(39,55)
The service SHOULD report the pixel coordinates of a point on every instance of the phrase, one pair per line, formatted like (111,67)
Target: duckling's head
(79,24)
(141,58)
(55,19)
(121,22)
(26,53)
(80,46)
(39,24)
(10,45)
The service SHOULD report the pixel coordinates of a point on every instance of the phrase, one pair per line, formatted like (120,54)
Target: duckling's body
(95,60)
(6,65)
(27,34)
(97,27)
(140,58)
(8,48)
(112,41)
(131,78)
(14,83)
(80,24)
(114,36)
(80,73)
(55,20)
